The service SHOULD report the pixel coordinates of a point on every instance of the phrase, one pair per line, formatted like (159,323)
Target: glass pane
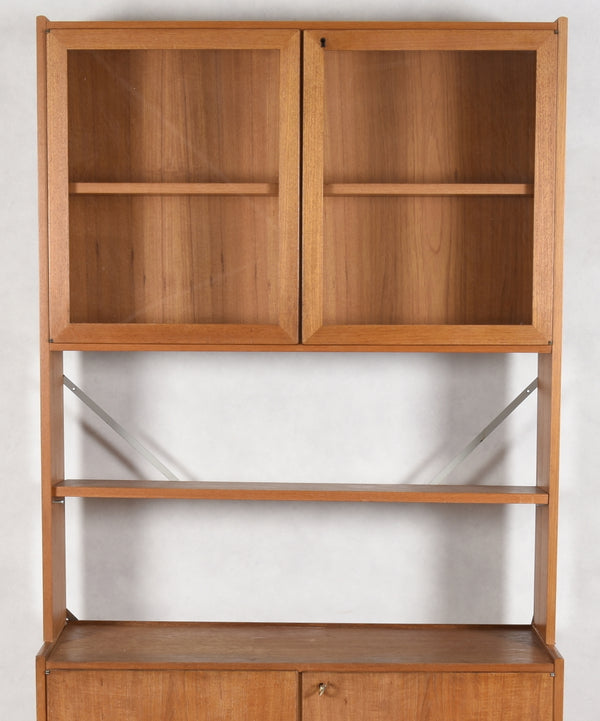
(428,260)
(174,259)
(429,116)
(173,115)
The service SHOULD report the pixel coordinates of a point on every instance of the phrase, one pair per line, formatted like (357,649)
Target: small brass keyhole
(322,688)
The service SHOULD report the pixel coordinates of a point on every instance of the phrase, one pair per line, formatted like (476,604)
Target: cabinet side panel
(42,119)
(559,688)
(40,681)
(57,184)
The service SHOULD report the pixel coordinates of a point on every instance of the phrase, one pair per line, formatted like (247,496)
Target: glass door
(426,187)
(173,155)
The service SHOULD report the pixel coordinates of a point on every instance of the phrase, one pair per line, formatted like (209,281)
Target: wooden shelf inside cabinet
(433,189)
(340,492)
(96,645)
(173,188)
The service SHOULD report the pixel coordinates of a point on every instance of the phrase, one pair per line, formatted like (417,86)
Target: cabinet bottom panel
(428,696)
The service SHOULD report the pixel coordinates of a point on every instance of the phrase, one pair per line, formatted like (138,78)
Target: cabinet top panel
(303,25)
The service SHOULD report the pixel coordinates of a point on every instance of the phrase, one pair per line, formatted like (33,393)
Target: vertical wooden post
(549,369)
(53,513)
(544,617)
(51,390)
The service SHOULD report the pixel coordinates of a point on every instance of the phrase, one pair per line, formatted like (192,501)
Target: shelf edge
(360,493)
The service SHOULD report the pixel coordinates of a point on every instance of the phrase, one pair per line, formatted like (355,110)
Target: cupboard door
(428,187)
(173,185)
(427,696)
(175,695)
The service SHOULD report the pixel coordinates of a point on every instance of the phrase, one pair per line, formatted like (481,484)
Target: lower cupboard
(198,695)
(428,696)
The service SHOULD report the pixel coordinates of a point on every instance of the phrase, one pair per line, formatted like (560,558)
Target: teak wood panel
(174,259)
(173,115)
(429,117)
(427,260)
(428,697)
(135,107)
(173,695)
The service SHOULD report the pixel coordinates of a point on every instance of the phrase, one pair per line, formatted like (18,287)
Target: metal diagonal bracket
(118,428)
(469,448)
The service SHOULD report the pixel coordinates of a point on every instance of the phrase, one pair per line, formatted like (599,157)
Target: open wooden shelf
(349,492)
(147,645)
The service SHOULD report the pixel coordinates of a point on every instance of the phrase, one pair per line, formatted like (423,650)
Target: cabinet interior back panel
(428,260)
(429,116)
(173,115)
(174,259)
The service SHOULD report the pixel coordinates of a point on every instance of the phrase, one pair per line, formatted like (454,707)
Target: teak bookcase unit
(300,187)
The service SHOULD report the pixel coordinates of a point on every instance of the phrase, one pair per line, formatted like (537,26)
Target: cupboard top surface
(298,646)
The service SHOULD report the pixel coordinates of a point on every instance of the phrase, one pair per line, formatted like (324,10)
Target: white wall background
(304,417)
